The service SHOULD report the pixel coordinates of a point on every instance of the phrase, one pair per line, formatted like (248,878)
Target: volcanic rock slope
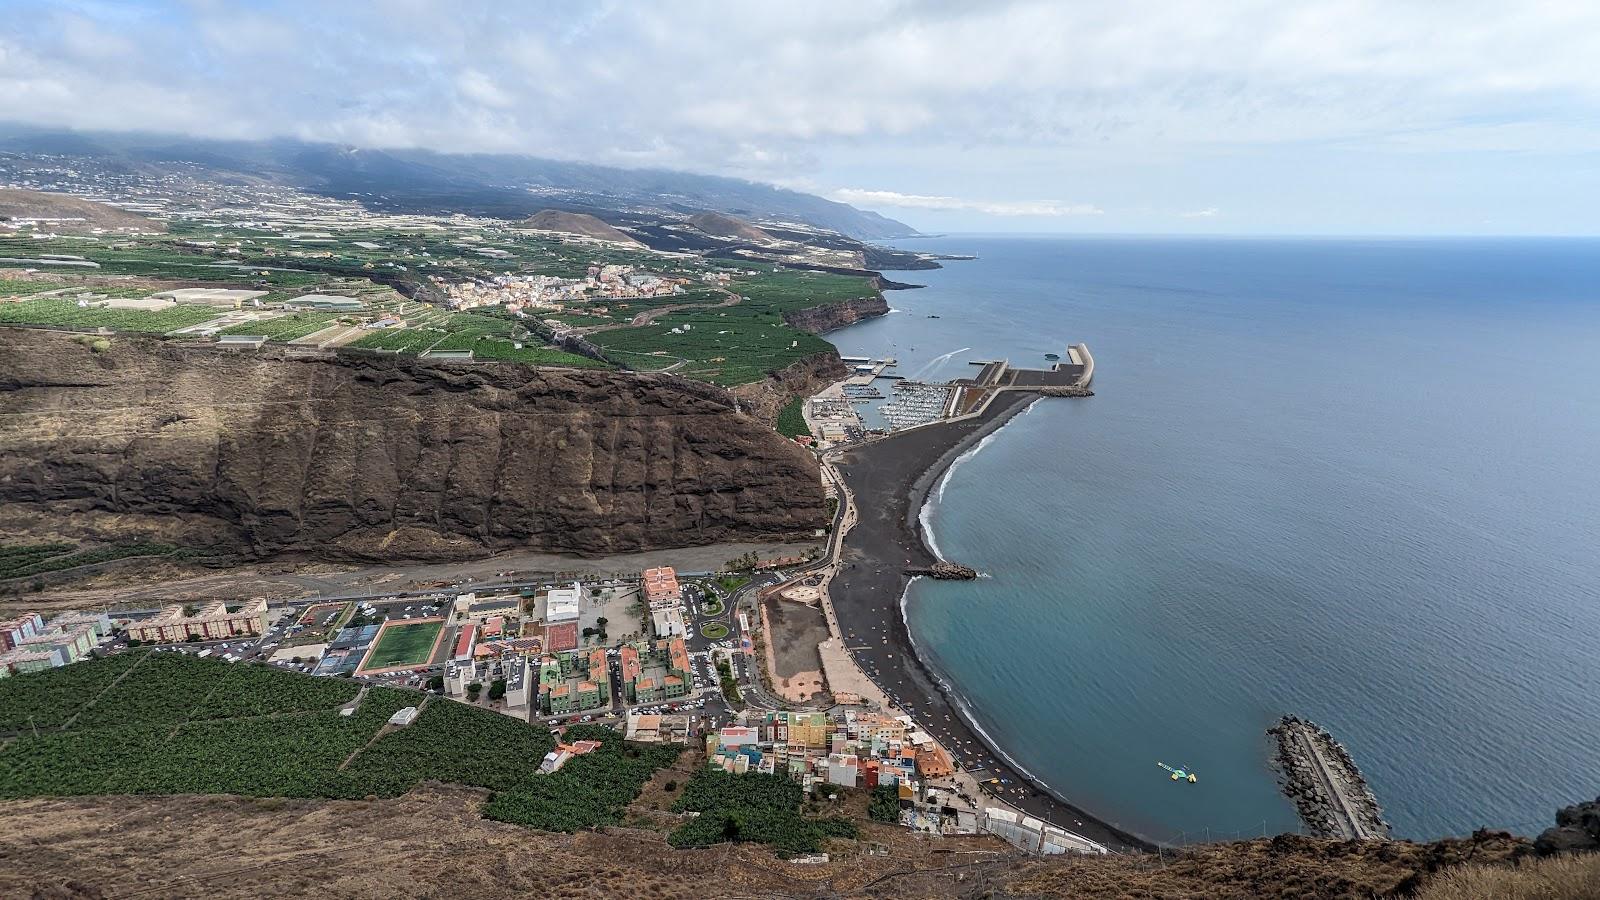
(356,456)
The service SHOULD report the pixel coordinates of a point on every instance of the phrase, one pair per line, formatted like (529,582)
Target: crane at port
(1179,774)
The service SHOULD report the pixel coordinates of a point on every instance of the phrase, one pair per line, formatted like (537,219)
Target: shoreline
(890,481)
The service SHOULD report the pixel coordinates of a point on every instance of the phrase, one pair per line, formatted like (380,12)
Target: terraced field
(58,311)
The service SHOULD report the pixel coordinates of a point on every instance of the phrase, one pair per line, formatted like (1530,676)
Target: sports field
(402,644)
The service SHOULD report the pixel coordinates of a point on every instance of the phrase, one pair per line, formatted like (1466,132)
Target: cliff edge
(361,456)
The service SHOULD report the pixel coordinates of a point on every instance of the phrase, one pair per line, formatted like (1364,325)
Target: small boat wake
(932,364)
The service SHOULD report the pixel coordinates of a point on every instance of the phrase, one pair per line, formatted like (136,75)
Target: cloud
(1209,212)
(858,197)
(839,91)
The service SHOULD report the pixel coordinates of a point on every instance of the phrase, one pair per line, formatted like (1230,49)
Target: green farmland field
(52,311)
(160,722)
(286,328)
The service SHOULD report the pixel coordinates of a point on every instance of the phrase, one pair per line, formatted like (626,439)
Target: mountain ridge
(426,181)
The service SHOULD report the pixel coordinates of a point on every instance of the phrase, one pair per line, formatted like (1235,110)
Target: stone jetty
(945,571)
(1322,781)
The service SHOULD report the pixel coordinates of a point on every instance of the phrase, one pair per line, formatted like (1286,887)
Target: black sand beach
(890,479)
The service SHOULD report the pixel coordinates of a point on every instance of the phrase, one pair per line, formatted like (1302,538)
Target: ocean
(1353,480)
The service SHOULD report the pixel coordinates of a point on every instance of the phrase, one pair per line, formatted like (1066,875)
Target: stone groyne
(1320,778)
(945,571)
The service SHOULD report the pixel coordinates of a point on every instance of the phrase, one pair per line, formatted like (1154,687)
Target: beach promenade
(884,485)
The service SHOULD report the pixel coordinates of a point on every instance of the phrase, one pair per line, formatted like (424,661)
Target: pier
(1323,782)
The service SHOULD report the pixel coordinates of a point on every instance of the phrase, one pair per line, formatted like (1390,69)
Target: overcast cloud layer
(1143,115)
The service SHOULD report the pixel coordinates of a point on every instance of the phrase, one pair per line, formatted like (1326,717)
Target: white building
(562,605)
(669,622)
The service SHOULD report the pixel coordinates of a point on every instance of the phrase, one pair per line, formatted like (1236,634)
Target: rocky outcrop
(825,318)
(378,457)
(763,399)
(1577,830)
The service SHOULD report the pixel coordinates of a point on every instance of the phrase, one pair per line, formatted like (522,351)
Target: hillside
(719,225)
(75,213)
(581,224)
(359,456)
(242,779)
(432,842)
(421,181)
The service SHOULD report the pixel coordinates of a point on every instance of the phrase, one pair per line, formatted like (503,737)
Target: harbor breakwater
(1322,780)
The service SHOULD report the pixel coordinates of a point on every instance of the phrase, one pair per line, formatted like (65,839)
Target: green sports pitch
(403,645)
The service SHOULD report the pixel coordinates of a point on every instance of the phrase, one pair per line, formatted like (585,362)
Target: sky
(1154,116)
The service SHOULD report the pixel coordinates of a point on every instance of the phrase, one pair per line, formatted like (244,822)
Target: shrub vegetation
(753,807)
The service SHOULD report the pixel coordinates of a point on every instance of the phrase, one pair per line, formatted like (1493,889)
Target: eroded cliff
(369,457)
(825,318)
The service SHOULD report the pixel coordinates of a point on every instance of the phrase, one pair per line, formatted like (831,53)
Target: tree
(473,690)
(601,622)
(497,689)
(436,683)
(193,638)
(670,786)
(134,642)
(885,803)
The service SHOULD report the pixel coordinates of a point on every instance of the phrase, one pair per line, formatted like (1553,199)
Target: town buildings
(851,749)
(563,605)
(27,644)
(653,673)
(555,759)
(572,682)
(651,728)
(214,621)
(664,596)
(660,587)
(669,622)
(21,627)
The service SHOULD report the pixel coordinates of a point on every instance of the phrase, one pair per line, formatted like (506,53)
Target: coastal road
(888,481)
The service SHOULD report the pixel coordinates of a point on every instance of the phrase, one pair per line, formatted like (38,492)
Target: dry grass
(433,843)
(1555,878)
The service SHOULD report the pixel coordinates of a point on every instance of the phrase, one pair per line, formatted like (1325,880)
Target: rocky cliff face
(763,399)
(1577,830)
(367,457)
(820,319)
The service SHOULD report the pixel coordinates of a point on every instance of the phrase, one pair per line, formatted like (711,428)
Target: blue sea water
(1358,481)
